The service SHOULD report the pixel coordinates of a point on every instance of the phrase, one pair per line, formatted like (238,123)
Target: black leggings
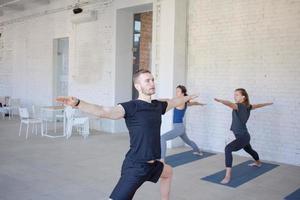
(242,141)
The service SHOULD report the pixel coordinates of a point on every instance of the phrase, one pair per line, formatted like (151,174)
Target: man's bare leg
(165,182)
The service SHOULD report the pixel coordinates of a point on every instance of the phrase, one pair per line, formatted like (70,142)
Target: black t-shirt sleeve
(129,107)
(164,106)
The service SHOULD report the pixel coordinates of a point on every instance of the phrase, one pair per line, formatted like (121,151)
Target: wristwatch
(77,103)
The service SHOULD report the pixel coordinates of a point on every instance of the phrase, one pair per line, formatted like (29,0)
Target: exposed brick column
(146,40)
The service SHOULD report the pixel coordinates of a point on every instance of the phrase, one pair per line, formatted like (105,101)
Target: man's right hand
(68,101)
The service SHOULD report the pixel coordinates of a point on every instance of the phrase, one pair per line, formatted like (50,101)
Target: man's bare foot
(255,164)
(226,180)
(198,153)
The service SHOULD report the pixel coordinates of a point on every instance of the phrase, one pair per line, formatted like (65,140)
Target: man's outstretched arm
(115,112)
(177,101)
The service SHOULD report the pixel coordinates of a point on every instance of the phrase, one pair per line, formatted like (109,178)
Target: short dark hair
(139,72)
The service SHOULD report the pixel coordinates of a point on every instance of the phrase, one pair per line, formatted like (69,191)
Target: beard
(148,92)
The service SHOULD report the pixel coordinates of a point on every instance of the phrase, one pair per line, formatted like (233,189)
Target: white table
(3,111)
(52,109)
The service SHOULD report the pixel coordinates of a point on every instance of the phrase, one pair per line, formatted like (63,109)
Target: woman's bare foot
(227,176)
(226,180)
(255,164)
(198,153)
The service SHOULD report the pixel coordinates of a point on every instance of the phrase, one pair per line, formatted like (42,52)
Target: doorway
(142,44)
(61,66)
(128,59)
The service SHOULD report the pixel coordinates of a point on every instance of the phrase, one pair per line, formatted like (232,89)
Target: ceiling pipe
(9,3)
(52,11)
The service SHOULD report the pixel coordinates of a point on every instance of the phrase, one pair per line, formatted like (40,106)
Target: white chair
(25,119)
(56,117)
(37,114)
(13,104)
(82,123)
(2,111)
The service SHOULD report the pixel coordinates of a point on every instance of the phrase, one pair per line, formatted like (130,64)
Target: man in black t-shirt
(143,119)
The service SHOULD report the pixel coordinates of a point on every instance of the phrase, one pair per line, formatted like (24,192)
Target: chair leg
(86,130)
(46,131)
(27,131)
(11,113)
(20,129)
(36,125)
(42,129)
(55,124)
(64,123)
(69,130)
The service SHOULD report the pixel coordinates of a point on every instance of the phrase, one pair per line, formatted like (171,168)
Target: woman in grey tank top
(240,115)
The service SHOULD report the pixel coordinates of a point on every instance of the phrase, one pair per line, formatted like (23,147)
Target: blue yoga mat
(184,158)
(241,174)
(294,196)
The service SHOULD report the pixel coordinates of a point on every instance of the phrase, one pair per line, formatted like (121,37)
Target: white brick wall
(6,59)
(250,44)
(30,65)
(91,61)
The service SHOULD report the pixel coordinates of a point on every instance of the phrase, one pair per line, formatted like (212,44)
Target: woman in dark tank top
(240,115)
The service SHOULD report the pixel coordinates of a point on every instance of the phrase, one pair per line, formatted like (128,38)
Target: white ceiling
(9,6)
